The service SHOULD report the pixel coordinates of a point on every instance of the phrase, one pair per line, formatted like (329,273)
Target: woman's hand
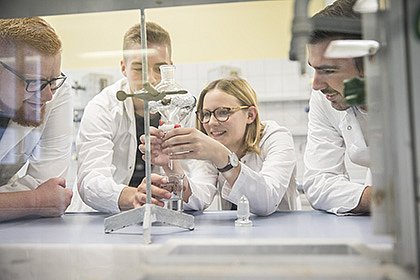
(157,156)
(157,193)
(190,143)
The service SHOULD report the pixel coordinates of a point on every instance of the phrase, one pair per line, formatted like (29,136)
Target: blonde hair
(33,32)
(155,35)
(241,90)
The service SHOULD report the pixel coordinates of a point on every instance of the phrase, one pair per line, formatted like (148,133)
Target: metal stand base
(148,214)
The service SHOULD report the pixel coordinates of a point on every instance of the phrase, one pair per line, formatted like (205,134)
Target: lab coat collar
(15,132)
(12,136)
(358,151)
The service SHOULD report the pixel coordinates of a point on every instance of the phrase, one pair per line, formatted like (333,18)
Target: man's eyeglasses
(221,114)
(37,85)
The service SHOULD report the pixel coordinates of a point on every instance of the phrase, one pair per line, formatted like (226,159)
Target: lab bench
(294,245)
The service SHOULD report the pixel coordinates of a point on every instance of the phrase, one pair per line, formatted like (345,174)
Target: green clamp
(354,91)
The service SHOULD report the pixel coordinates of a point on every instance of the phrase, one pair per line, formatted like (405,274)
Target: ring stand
(148,213)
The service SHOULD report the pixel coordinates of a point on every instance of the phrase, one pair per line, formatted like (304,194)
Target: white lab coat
(106,148)
(331,134)
(267,180)
(46,149)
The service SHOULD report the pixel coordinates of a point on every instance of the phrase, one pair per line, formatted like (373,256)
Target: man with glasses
(35,121)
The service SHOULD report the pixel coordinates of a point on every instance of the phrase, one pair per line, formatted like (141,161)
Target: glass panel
(248,40)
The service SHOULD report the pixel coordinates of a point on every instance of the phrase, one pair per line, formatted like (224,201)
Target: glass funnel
(168,83)
(177,104)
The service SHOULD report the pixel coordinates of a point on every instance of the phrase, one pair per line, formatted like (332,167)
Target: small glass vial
(243,213)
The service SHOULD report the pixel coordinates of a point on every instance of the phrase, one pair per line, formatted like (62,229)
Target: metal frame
(401,114)
(410,246)
(391,119)
(26,8)
(393,90)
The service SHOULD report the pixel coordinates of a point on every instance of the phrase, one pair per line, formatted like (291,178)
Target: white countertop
(302,244)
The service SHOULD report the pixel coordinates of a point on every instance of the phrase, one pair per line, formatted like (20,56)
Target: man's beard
(340,103)
(27,115)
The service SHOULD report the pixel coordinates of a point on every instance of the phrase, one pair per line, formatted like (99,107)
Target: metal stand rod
(143,36)
(148,219)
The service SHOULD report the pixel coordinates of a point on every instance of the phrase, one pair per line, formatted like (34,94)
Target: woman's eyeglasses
(221,114)
(37,85)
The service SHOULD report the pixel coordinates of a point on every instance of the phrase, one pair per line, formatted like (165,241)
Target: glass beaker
(175,185)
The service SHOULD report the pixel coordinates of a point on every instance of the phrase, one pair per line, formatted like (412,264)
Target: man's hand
(52,198)
(365,202)
(157,193)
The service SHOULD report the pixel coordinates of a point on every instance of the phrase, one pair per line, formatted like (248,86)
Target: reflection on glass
(175,106)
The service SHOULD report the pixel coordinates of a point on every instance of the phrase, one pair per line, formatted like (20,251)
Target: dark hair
(340,9)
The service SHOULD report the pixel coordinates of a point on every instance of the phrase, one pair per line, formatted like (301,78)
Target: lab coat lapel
(353,137)
(12,139)
(132,146)
(129,108)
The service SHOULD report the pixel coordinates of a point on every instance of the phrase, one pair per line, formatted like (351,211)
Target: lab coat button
(349,127)
(130,167)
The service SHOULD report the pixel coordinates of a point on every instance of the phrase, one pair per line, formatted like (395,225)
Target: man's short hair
(339,9)
(155,35)
(33,32)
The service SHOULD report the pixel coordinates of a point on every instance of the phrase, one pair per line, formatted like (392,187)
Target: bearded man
(35,121)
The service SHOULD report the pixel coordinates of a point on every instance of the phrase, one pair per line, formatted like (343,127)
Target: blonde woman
(244,155)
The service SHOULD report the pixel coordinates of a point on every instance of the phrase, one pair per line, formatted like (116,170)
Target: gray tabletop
(82,228)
